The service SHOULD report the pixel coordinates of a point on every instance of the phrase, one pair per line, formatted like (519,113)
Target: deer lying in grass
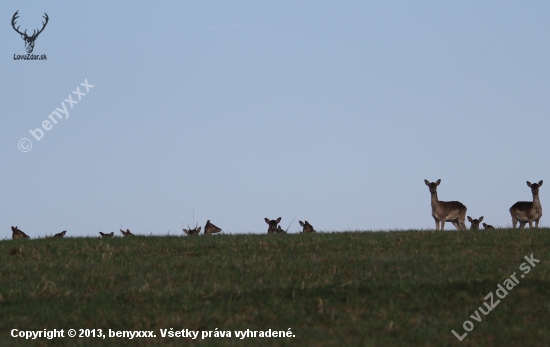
(475,223)
(308,228)
(126,233)
(446,211)
(487,226)
(280,230)
(210,228)
(528,211)
(60,235)
(107,235)
(190,231)
(18,234)
(272,229)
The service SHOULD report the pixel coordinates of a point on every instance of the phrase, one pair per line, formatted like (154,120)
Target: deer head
(18,234)
(61,234)
(210,228)
(475,222)
(534,187)
(126,233)
(488,226)
(29,40)
(308,228)
(190,231)
(272,225)
(280,230)
(432,185)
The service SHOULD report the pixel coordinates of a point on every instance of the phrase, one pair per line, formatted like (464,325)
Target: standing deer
(210,228)
(488,226)
(475,223)
(126,233)
(446,211)
(107,234)
(190,231)
(527,211)
(18,234)
(272,229)
(29,40)
(308,228)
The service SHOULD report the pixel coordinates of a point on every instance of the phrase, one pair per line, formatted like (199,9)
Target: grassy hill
(401,288)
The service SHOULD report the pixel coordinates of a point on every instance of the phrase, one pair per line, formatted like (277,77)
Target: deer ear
(540,183)
(438,181)
(278,220)
(266,220)
(480,218)
(529,183)
(470,219)
(427,182)
(301,223)
(199,230)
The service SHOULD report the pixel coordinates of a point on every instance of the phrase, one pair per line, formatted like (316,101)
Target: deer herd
(442,211)
(455,212)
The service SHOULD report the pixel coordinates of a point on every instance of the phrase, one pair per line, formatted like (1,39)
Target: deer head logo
(29,40)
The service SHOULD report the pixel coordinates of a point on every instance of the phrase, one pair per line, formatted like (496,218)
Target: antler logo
(29,40)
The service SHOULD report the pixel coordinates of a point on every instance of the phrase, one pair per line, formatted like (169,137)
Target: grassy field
(402,288)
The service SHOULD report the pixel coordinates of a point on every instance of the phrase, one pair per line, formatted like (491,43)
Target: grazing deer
(18,234)
(190,231)
(487,226)
(446,211)
(126,233)
(527,211)
(107,235)
(308,228)
(475,223)
(272,225)
(60,235)
(210,228)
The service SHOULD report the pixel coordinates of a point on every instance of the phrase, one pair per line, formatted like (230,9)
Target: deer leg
(436,224)
(521,224)
(442,225)
(455,223)
(530,224)
(463,225)
(537,223)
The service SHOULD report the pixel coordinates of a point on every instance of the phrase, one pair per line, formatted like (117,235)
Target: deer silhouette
(29,40)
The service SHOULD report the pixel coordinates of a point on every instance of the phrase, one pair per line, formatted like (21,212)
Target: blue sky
(331,112)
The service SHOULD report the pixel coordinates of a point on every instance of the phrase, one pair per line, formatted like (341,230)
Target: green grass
(402,288)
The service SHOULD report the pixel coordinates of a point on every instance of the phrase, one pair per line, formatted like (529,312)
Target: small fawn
(475,223)
(107,235)
(487,226)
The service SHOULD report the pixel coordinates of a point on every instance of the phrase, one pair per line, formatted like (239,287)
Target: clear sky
(328,111)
